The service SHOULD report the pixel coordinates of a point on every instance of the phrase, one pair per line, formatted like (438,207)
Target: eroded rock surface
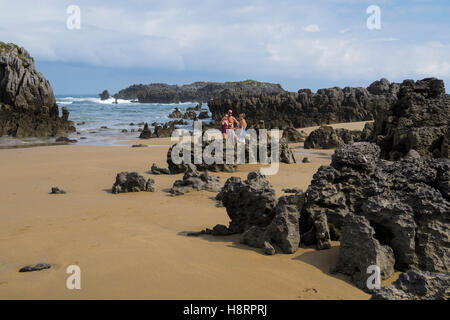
(132,182)
(27,104)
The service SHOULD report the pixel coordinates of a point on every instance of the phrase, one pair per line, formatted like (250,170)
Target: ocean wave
(82,100)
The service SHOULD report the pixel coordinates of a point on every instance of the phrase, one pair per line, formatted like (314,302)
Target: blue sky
(299,44)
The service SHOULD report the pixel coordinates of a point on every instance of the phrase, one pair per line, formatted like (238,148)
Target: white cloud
(245,39)
(312,28)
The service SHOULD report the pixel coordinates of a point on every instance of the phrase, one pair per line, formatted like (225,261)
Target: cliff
(27,103)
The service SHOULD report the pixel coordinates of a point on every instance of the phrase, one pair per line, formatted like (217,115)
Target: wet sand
(134,246)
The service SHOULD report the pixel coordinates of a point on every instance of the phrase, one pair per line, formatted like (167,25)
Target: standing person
(231,121)
(225,125)
(242,128)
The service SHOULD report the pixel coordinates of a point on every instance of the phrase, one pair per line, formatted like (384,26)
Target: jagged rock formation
(194,180)
(304,108)
(146,132)
(132,182)
(156,170)
(285,155)
(198,107)
(360,249)
(182,167)
(418,120)
(406,203)
(176,114)
(197,91)
(27,104)
(262,221)
(248,203)
(327,137)
(104,95)
(203,115)
(293,136)
(416,285)
(190,115)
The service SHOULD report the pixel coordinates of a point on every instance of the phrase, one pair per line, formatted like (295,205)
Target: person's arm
(235,121)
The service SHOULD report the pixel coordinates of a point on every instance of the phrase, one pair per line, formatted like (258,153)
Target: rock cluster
(327,137)
(304,108)
(132,182)
(27,104)
(285,156)
(194,180)
(104,95)
(418,120)
(401,206)
(176,114)
(416,285)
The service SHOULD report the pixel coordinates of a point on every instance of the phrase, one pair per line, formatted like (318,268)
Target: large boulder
(327,137)
(292,135)
(417,120)
(262,221)
(27,103)
(416,285)
(104,95)
(194,180)
(132,182)
(248,203)
(360,249)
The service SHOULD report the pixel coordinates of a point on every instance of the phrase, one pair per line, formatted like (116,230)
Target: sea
(90,114)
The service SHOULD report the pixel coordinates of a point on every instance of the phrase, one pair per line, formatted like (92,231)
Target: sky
(299,44)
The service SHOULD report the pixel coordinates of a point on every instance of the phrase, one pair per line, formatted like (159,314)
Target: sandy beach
(134,245)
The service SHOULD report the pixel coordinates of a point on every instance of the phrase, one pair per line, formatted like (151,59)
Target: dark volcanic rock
(406,202)
(194,180)
(56,190)
(303,109)
(156,170)
(327,137)
(292,135)
(176,114)
(27,103)
(263,221)
(190,115)
(416,285)
(38,267)
(360,249)
(198,107)
(418,120)
(104,95)
(197,91)
(203,115)
(132,182)
(146,133)
(248,203)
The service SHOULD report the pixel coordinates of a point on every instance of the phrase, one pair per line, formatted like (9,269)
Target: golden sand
(134,246)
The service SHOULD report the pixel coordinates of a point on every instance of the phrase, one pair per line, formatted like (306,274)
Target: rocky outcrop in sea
(197,91)
(27,104)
